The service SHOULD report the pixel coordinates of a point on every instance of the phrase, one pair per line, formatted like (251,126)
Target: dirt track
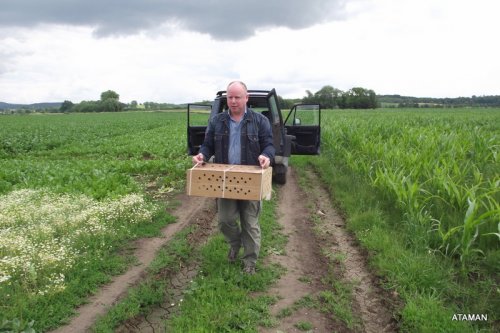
(303,259)
(190,211)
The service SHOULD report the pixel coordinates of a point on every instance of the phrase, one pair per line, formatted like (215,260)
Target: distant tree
(110,102)
(66,106)
(109,94)
(110,105)
(372,101)
(358,98)
(286,103)
(309,98)
(327,97)
(133,104)
(151,106)
(87,106)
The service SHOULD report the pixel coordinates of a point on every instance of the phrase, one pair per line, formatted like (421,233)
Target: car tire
(280,173)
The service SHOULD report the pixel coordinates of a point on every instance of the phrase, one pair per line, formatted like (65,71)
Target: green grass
(153,290)
(220,298)
(426,313)
(304,325)
(307,301)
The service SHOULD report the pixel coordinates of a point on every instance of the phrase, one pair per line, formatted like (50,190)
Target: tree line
(331,98)
(328,97)
(361,98)
(109,102)
(424,102)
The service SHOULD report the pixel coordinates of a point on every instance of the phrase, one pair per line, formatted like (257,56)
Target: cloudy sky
(185,50)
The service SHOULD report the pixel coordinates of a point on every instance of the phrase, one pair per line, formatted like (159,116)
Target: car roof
(223,93)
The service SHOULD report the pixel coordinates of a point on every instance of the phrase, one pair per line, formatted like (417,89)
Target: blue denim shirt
(234,153)
(256,138)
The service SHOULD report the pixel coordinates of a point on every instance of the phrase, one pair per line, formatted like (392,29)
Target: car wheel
(280,173)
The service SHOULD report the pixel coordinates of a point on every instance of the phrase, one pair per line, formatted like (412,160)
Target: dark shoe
(250,270)
(233,254)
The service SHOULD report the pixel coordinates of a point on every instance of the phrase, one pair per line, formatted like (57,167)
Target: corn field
(439,168)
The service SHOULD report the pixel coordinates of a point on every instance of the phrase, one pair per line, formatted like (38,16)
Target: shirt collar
(244,115)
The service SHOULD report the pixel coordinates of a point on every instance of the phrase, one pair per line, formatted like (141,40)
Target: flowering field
(43,234)
(72,191)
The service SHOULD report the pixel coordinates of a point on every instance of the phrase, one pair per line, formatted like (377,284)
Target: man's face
(236,98)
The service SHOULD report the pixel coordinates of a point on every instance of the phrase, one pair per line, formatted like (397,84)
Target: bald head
(239,83)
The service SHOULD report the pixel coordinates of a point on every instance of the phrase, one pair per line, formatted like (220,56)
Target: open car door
(197,121)
(272,112)
(304,123)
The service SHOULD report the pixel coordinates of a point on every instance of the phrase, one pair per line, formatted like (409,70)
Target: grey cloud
(222,19)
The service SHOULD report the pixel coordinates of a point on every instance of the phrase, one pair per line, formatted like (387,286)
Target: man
(239,136)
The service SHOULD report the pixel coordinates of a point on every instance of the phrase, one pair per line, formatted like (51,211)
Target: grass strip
(153,290)
(220,299)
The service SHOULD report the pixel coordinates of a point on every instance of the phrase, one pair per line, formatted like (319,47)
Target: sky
(180,51)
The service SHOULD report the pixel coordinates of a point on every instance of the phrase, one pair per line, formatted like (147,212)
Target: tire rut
(155,320)
(192,210)
(371,304)
(304,265)
(314,228)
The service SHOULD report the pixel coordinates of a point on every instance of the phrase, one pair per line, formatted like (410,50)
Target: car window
(308,114)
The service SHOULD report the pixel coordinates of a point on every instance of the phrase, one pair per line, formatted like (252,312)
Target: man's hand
(264,161)
(198,159)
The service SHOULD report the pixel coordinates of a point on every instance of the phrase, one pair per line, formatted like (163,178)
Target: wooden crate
(244,182)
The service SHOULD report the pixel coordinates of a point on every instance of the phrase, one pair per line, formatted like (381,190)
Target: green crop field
(74,189)
(440,169)
(421,190)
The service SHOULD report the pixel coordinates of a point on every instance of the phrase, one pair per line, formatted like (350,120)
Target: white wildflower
(39,230)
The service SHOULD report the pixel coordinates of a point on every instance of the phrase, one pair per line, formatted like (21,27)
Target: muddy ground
(318,246)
